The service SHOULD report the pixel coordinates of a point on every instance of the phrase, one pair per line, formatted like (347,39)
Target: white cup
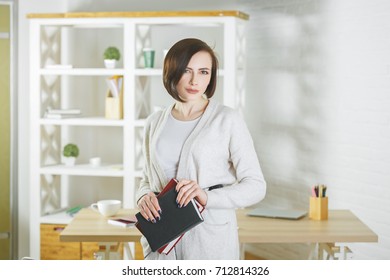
(107,207)
(95,161)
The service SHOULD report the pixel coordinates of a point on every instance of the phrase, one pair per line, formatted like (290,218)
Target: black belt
(215,187)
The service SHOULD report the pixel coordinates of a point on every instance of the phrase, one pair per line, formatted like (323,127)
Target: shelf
(67,70)
(93,121)
(82,71)
(105,170)
(143,14)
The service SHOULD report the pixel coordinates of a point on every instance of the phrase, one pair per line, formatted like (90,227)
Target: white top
(171,141)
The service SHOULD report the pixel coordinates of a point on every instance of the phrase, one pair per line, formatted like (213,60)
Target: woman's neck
(189,110)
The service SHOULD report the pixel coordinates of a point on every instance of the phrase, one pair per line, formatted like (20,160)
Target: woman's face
(196,77)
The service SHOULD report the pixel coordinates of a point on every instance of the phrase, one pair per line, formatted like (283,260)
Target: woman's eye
(204,72)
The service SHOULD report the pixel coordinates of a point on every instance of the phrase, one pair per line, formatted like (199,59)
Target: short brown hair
(177,59)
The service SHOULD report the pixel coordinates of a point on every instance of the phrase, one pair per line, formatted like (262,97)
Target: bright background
(318,81)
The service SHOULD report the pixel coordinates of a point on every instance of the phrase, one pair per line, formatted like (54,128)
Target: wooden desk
(89,226)
(342,226)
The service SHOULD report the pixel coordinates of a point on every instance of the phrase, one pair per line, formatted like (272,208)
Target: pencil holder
(318,208)
(114,106)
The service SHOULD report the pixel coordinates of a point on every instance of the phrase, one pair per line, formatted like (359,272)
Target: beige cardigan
(218,151)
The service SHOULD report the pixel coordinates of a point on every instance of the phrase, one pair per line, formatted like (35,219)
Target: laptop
(290,214)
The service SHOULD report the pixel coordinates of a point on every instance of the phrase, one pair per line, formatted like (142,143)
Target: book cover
(122,222)
(174,220)
(166,249)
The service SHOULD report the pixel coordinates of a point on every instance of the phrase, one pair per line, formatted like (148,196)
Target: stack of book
(62,113)
(163,235)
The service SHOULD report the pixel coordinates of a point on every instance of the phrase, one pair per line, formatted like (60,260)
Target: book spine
(60,116)
(64,111)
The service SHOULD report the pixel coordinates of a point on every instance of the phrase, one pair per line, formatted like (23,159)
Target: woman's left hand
(188,190)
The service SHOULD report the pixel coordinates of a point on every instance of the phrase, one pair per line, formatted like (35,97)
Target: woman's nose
(193,80)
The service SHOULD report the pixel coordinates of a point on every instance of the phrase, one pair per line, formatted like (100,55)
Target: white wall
(317,103)
(318,107)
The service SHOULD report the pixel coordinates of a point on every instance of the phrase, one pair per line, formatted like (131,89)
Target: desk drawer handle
(58,229)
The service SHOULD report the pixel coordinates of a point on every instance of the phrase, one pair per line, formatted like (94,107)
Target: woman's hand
(188,190)
(149,207)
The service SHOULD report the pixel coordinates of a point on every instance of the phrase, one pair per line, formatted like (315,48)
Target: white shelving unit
(79,40)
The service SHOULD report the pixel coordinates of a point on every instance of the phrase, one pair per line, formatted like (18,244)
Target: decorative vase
(110,63)
(69,161)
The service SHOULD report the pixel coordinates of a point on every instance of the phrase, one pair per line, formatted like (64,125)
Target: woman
(200,143)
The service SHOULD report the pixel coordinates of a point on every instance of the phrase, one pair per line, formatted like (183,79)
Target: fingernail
(148,219)
(153,221)
(159,211)
(158,218)
(179,205)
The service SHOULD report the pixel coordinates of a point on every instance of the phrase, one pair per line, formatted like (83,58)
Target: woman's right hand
(149,207)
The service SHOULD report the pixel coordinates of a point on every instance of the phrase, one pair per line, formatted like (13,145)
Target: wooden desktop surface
(342,226)
(89,226)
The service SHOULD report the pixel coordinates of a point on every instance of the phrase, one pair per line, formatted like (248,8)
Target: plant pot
(69,161)
(110,63)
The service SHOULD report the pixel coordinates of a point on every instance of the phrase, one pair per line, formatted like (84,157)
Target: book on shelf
(64,111)
(174,221)
(60,116)
(122,222)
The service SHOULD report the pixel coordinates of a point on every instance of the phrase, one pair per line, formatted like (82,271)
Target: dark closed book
(167,248)
(174,220)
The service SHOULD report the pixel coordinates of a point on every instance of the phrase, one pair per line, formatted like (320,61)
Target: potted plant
(70,153)
(111,55)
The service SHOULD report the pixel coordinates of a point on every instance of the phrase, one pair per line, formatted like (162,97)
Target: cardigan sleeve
(144,187)
(251,186)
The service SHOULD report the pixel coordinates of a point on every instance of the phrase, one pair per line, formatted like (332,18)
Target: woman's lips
(192,91)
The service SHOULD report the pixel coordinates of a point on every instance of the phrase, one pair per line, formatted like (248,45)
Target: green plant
(71,150)
(112,53)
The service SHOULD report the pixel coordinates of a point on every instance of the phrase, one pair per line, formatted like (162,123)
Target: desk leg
(343,252)
(242,251)
(318,251)
(313,252)
(108,251)
(128,255)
